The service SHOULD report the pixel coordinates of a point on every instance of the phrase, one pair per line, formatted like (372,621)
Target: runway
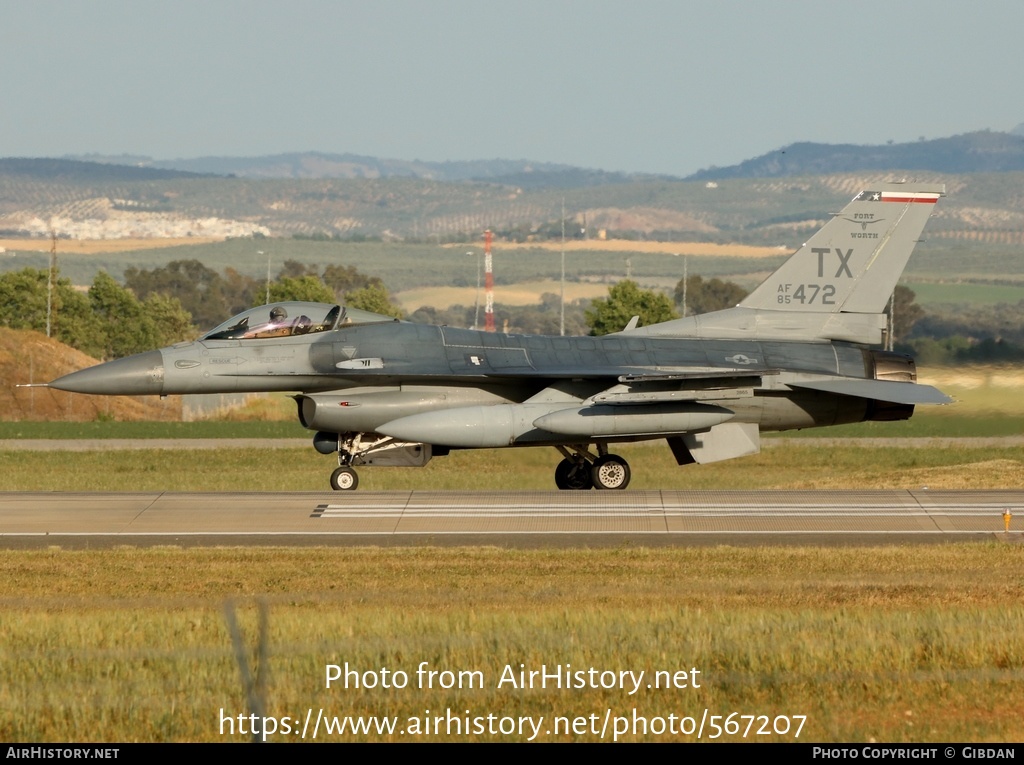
(520,519)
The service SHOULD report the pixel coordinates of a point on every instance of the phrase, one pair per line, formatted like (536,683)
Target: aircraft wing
(879,390)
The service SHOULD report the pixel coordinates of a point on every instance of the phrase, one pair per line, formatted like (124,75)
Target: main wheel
(573,476)
(610,472)
(344,479)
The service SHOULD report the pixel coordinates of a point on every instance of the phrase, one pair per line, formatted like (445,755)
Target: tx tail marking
(844,261)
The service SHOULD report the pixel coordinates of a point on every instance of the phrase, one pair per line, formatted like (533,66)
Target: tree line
(164,305)
(211,297)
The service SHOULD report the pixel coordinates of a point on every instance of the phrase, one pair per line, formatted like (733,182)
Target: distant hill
(311,165)
(320,165)
(77,171)
(96,201)
(347,196)
(980,152)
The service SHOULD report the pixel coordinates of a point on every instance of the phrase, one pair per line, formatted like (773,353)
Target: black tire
(610,472)
(344,479)
(572,476)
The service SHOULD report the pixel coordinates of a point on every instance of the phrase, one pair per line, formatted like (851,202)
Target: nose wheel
(344,478)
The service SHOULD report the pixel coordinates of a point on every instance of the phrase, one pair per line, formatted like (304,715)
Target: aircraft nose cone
(136,375)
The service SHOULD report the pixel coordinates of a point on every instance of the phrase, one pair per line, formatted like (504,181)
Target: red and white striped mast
(488,284)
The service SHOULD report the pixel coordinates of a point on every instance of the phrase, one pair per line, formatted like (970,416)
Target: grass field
(269,429)
(407,266)
(793,466)
(401,266)
(870,644)
(931,294)
(522,293)
(633,246)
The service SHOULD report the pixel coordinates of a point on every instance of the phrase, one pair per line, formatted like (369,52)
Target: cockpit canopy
(287,319)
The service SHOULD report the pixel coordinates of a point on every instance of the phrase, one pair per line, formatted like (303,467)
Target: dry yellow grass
(892,644)
(258,407)
(96,246)
(628,245)
(984,474)
(974,377)
(31,357)
(789,467)
(979,389)
(523,293)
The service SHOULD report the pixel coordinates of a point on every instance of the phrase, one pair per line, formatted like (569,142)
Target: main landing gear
(582,470)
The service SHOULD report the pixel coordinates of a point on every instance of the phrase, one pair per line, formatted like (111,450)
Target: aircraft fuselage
(359,377)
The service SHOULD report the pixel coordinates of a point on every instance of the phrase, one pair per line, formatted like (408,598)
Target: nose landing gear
(344,478)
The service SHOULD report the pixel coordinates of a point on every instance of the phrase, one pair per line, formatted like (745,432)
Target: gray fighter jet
(796,353)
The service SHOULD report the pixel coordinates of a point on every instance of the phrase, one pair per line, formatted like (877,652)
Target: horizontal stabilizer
(878,390)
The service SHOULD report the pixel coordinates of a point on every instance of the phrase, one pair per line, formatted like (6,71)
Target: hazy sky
(644,85)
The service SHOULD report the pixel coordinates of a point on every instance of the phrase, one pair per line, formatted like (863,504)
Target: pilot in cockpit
(276,323)
(279,325)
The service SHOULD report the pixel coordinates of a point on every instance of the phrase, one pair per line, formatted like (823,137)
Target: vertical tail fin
(836,286)
(853,263)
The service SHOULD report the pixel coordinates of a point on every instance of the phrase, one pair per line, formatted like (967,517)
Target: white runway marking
(570,517)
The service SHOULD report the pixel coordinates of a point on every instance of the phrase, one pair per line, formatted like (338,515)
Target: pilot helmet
(278,313)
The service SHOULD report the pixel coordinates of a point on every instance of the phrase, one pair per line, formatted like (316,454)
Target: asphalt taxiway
(521,519)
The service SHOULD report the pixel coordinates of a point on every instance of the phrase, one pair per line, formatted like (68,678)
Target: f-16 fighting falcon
(796,353)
